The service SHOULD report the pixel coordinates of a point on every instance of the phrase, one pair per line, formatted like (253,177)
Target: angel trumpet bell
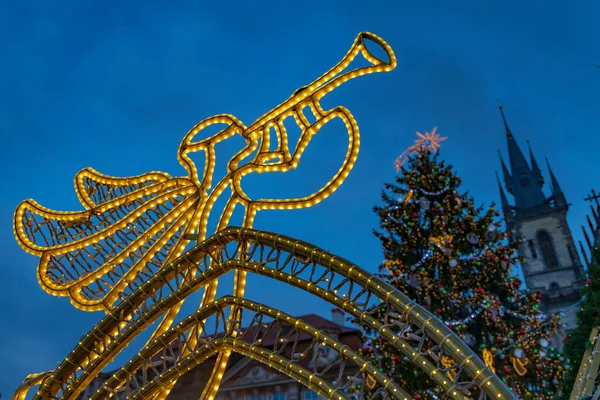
(306,96)
(310,95)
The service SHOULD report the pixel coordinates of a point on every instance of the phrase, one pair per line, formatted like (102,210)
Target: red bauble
(507,370)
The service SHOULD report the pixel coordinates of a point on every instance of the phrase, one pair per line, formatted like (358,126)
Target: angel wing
(129,228)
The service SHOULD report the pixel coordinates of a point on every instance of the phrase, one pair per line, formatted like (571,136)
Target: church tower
(551,264)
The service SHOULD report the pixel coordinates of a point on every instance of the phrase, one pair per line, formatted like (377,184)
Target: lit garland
(132,224)
(436,193)
(539,317)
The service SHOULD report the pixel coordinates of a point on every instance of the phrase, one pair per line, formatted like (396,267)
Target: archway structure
(405,324)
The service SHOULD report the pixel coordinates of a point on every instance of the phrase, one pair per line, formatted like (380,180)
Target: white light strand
(429,392)
(427,193)
(465,320)
(539,317)
(474,256)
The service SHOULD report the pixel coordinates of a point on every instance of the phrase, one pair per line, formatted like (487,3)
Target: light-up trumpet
(132,226)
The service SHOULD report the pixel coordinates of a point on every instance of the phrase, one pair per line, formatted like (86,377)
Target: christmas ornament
(491,234)
(442,242)
(488,359)
(519,366)
(453,263)
(518,353)
(472,238)
(408,197)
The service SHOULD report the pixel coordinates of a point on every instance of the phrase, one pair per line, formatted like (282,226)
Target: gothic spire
(526,188)
(537,173)
(507,178)
(503,199)
(559,196)
(585,256)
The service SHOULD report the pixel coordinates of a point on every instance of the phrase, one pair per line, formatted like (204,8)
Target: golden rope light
(132,226)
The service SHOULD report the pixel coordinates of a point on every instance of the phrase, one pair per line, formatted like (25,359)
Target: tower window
(532,249)
(547,249)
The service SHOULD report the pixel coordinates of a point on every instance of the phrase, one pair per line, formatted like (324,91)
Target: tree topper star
(428,140)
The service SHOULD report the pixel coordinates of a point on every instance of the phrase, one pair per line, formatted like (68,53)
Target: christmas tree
(453,258)
(588,317)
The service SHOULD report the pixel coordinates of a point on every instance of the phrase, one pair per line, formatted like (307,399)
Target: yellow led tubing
(435,329)
(115,381)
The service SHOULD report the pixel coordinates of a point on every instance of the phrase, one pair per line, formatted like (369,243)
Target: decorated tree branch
(453,258)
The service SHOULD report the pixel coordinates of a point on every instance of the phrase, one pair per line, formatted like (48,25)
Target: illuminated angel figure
(132,226)
(428,140)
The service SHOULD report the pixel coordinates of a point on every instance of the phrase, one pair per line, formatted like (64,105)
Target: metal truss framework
(587,383)
(404,324)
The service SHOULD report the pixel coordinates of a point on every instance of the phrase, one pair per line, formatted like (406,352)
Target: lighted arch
(230,340)
(288,260)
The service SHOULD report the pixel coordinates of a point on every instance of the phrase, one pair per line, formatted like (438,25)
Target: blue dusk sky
(115,85)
